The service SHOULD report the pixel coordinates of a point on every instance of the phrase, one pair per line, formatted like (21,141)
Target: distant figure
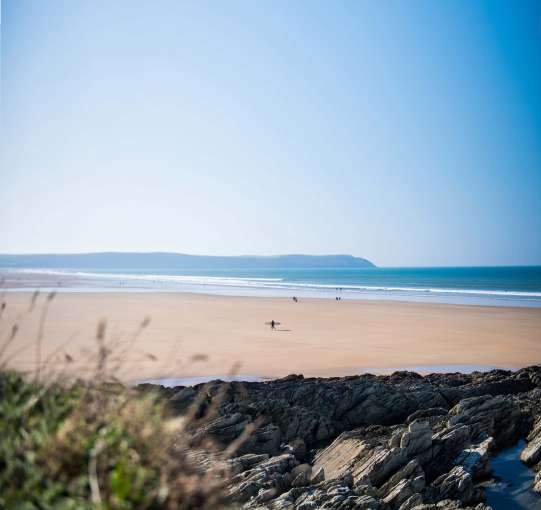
(295,299)
(272,324)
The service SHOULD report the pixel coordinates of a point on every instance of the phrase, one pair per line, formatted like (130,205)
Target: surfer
(273,324)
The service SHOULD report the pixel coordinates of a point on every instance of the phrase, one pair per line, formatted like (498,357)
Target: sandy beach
(191,335)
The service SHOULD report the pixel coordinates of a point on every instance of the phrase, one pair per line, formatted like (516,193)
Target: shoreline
(503,303)
(241,285)
(173,382)
(193,335)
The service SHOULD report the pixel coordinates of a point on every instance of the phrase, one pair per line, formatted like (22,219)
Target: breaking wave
(279,284)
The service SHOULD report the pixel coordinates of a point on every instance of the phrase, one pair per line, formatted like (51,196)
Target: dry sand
(316,336)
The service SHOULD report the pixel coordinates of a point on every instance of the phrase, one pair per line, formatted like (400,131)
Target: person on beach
(273,324)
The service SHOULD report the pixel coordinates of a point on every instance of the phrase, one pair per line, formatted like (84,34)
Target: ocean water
(512,487)
(494,286)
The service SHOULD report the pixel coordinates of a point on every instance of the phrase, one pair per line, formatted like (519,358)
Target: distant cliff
(164,260)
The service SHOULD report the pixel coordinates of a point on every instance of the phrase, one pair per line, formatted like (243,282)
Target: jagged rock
(301,475)
(386,433)
(334,494)
(537,482)
(319,409)
(446,445)
(417,438)
(223,429)
(301,468)
(396,438)
(431,415)
(475,459)
(339,457)
(264,439)
(301,480)
(498,417)
(244,462)
(404,490)
(319,476)
(185,395)
(411,470)
(449,504)
(457,484)
(531,454)
(412,502)
(297,447)
(381,464)
(273,473)
(265,495)
(363,483)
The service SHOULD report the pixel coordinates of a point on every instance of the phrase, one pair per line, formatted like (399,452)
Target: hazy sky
(407,132)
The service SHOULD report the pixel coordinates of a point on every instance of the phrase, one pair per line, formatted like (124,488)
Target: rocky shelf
(395,442)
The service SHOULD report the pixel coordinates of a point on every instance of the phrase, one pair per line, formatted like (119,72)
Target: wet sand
(317,337)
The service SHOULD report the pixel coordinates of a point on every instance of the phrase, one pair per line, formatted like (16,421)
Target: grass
(95,445)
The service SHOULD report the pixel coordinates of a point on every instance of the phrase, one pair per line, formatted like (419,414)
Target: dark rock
(412,502)
(264,439)
(498,417)
(380,464)
(417,439)
(475,459)
(411,470)
(223,429)
(457,484)
(319,476)
(332,494)
(537,482)
(244,462)
(273,473)
(394,442)
(427,414)
(403,491)
(296,447)
(531,454)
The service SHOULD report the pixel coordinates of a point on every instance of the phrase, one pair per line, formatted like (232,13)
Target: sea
(484,286)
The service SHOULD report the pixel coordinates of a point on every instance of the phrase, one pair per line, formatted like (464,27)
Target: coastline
(379,284)
(194,335)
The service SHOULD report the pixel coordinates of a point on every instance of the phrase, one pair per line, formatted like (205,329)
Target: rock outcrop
(531,454)
(395,442)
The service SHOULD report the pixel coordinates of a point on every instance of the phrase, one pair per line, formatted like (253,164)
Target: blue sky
(407,132)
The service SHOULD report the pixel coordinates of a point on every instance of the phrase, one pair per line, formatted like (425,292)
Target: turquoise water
(515,286)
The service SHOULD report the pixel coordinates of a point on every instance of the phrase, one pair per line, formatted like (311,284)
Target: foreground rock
(531,454)
(392,442)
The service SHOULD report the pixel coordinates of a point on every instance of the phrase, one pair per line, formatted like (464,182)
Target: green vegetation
(94,446)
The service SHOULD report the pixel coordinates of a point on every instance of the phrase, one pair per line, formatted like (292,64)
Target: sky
(407,132)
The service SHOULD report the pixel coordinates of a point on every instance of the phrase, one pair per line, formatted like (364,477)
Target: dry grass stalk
(121,431)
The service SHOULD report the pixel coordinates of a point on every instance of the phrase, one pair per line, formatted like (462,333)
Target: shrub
(100,445)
